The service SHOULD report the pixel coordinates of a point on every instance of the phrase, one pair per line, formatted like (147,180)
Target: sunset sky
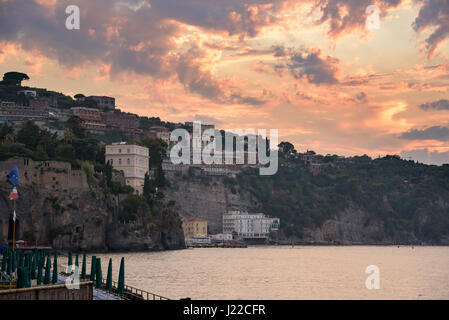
(309,68)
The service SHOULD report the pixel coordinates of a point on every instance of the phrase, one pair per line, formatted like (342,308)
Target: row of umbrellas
(37,265)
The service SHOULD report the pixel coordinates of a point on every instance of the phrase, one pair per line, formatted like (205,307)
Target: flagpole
(14,227)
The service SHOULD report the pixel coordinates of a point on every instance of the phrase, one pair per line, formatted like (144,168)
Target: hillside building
(132,160)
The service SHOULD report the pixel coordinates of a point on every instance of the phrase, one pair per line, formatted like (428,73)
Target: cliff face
(209,197)
(84,220)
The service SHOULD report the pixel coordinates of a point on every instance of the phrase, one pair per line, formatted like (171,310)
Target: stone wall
(53,175)
(52,292)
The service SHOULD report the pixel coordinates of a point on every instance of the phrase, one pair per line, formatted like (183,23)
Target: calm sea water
(301,272)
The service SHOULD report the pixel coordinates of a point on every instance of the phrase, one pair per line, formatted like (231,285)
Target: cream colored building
(132,160)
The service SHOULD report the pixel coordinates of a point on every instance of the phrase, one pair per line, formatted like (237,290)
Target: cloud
(345,16)
(442,104)
(135,37)
(433,15)
(426,156)
(432,133)
(308,64)
(207,119)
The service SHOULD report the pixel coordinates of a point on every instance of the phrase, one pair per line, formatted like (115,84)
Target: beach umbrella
(76,260)
(23,277)
(5,255)
(33,266)
(9,263)
(69,262)
(93,270)
(121,277)
(83,268)
(54,279)
(47,270)
(109,277)
(40,264)
(14,261)
(98,275)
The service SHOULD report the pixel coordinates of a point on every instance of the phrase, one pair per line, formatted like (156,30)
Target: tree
(79,96)
(5,129)
(286,148)
(157,150)
(29,135)
(75,125)
(148,189)
(14,78)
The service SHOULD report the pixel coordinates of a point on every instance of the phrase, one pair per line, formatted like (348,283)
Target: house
(92,119)
(103,101)
(249,226)
(132,160)
(194,227)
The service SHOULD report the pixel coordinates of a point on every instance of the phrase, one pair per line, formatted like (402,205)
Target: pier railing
(131,293)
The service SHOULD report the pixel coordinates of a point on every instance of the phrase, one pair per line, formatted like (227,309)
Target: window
(119,161)
(128,161)
(112,161)
(128,150)
(119,150)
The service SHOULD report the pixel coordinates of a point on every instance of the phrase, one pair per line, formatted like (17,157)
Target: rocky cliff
(209,197)
(85,220)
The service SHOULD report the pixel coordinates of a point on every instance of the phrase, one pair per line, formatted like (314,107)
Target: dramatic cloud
(309,64)
(345,16)
(138,37)
(433,15)
(431,133)
(442,104)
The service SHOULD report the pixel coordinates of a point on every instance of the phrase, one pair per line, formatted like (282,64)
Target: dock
(217,245)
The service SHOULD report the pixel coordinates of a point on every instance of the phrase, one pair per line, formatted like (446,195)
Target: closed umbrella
(5,255)
(83,268)
(40,264)
(9,263)
(54,279)
(99,275)
(93,270)
(76,260)
(121,277)
(109,277)
(47,270)
(33,267)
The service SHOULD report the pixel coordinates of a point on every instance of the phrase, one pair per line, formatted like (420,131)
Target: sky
(320,71)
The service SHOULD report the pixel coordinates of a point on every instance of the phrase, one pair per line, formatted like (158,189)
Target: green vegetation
(406,197)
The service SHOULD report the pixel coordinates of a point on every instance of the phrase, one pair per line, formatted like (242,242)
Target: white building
(31,93)
(132,160)
(220,237)
(249,226)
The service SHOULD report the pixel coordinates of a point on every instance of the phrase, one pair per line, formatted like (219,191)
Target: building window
(119,150)
(119,161)
(128,150)
(112,161)
(128,161)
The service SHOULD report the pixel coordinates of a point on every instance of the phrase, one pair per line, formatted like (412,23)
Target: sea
(289,272)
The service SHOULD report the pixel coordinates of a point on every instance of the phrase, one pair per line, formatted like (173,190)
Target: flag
(14,195)
(13,176)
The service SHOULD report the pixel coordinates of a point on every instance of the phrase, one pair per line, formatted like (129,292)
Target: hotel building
(132,160)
